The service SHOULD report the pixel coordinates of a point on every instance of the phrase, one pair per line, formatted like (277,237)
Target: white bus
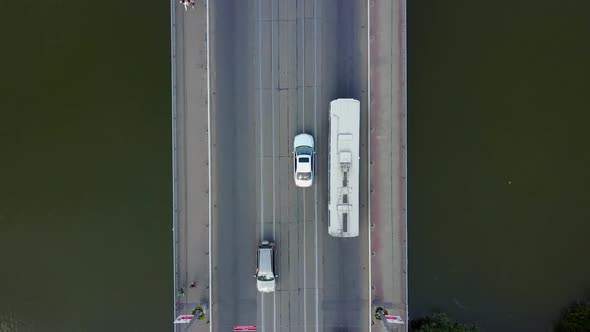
(343,168)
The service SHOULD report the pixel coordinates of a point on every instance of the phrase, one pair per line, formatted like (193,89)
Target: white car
(304,160)
(265,267)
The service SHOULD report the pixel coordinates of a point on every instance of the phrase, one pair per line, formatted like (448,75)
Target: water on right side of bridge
(498,161)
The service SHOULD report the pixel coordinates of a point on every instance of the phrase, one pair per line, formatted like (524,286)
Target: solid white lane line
(315,128)
(260,118)
(370,304)
(304,189)
(209,169)
(303,193)
(261,143)
(304,269)
(405,145)
(274,217)
(174,153)
(303,67)
(272,93)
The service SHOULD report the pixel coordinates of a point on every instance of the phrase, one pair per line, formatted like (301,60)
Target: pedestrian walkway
(388,160)
(190,164)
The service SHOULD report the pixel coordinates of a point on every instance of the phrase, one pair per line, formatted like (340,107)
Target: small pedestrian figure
(192,2)
(185,3)
(193,285)
(181,292)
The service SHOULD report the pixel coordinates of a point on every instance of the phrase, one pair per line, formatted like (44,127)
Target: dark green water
(499,111)
(85,191)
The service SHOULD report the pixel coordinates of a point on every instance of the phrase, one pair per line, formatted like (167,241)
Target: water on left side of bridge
(85,217)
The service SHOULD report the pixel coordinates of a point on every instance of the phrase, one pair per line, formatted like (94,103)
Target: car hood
(303,140)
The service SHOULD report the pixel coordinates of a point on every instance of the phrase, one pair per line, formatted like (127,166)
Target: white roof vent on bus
(345,157)
(344,142)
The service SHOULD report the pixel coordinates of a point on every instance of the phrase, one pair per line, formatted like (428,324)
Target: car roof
(265,260)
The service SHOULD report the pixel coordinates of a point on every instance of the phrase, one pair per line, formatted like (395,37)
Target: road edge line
(174,154)
(370,302)
(209,169)
(405,144)
(315,127)
(261,144)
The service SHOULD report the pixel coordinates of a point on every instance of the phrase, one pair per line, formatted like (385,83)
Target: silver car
(265,267)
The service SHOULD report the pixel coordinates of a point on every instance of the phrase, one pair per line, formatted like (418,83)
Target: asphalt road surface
(276,65)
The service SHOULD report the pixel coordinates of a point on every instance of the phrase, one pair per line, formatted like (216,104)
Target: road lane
(343,75)
(289,233)
(266,152)
(235,167)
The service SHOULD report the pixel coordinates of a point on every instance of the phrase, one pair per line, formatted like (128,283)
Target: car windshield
(305,150)
(266,277)
(303,175)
